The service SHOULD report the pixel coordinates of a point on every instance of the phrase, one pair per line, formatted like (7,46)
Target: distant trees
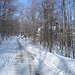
(7,22)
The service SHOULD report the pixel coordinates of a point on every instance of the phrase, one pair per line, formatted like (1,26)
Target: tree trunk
(71,28)
(50,41)
(66,48)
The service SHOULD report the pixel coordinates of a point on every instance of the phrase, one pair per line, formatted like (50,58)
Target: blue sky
(24,1)
(27,2)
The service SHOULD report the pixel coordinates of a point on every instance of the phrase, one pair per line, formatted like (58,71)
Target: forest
(49,22)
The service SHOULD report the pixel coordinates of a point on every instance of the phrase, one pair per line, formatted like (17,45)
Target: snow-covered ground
(7,49)
(20,57)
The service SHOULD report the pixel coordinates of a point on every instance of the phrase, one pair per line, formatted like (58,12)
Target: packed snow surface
(20,57)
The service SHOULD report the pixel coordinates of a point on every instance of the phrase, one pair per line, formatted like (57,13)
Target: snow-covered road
(13,57)
(20,57)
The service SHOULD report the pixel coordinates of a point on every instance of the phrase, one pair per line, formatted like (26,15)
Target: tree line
(9,25)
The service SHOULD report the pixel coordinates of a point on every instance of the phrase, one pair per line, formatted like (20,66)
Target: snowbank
(51,64)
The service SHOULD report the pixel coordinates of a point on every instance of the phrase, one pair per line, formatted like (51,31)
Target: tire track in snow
(30,59)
